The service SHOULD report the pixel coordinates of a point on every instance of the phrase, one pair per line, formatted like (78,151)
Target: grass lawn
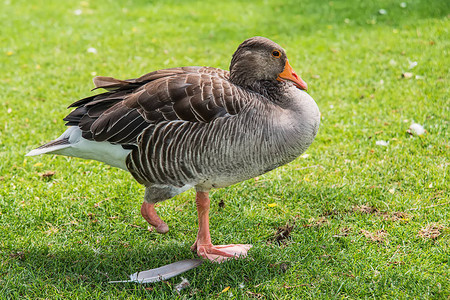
(370,221)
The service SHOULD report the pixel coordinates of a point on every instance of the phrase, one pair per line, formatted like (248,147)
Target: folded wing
(189,94)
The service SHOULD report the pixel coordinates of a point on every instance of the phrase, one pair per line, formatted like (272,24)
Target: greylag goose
(200,127)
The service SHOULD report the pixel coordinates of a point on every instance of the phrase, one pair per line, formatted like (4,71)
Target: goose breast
(230,148)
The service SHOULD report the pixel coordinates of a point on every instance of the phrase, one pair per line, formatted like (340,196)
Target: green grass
(66,235)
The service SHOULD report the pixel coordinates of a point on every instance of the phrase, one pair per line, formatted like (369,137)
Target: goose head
(259,59)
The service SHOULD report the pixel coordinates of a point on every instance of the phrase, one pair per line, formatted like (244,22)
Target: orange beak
(289,74)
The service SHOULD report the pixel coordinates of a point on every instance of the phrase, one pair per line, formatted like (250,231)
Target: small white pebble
(182,285)
(77,12)
(417,129)
(382,11)
(92,50)
(381,143)
(403,4)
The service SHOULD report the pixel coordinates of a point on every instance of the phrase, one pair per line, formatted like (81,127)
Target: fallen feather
(164,272)
(92,50)
(381,143)
(412,64)
(416,129)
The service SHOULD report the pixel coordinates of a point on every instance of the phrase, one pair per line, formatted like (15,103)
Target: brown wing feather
(193,94)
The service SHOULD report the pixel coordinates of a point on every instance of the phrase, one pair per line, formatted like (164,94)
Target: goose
(196,127)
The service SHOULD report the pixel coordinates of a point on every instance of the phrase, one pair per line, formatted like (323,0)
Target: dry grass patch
(379,236)
(432,231)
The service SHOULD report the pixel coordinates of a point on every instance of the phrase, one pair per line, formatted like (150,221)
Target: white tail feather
(71,143)
(45,150)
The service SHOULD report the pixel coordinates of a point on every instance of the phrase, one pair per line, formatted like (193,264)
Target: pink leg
(149,213)
(203,245)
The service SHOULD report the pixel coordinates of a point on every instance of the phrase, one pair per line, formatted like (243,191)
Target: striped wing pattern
(193,94)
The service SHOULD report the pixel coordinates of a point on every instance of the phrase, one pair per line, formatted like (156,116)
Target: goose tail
(50,147)
(71,143)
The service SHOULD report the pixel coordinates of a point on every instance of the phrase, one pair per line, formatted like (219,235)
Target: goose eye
(276,53)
